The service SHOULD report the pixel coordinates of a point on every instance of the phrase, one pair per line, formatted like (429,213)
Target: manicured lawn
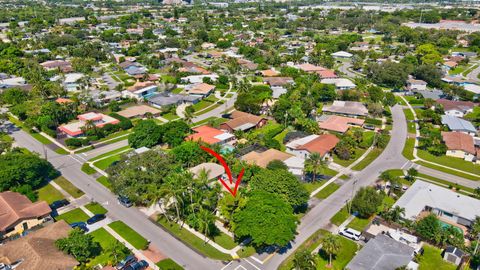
(170,116)
(327,191)
(432,259)
(37,136)
(122,133)
(444,183)
(311,186)
(201,105)
(177,90)
(49,194)
(192,240)
(75,215)
(443,169)
(408,114)
(116,151)
(310,244)
(408,149)
(68,187)
(225,241)
(106,240)
(358,223)
(87,169)
(61,151)
(340,216)
(134,238)
(104,181)
(213,119)
(368,159)
(83,150)
(280,136)
(345,163)
(452,162)
(246,251)
(105,163)
(96,208)
(347,251)
(168,264)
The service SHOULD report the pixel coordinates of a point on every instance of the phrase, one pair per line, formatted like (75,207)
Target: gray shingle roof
(458,124)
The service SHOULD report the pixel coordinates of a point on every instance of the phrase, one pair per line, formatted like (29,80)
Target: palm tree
(304,260)
(89,125)
(331,245)
(117,250)
(314,164)
(205,221)
(172,191)
(395,214)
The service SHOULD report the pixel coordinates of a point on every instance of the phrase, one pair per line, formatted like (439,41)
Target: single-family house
(243,121)
(414,85)
(340,83)
(321,144)
(139,111)
(338,123)
(75,129)
(140,90)
(168,99)
(352,108)
(37,250)
(459,145)
(448,65)
(135,70)
(62,65)
(212,170)
(456,108)
(459,125)
(327,74)
(342,54)
(211,135)
(200,89)
(262,159)
(19,214)
(104,97)
(309,68)
(450,207)
(382,253)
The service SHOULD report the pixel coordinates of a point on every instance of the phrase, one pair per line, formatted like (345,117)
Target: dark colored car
(81,225)
(59,203)
(137,265)
(95,218)
(127,261)
(124,201)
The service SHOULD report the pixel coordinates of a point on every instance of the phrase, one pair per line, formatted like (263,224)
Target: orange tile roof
(63,100)
(327,73)
(310,68)
(322,144)
(205,134)
(339,123)
(15,207)
(139,85)
(459,141)
(269,73)
(202,88)
(262,159)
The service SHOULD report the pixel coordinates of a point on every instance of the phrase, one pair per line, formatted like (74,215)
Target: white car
(351,233)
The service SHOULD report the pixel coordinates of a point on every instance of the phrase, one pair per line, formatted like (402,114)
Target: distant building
(19,214)
(456,108)
(138,111)
(37,250)
(352,108)
(104,97)
(140,90)
(321,144)
(342,54)
(200,89)
(75,129)
(457,124)
(211,135)
(213,170)
(413,85)
(340,83)
(262,159)
(61,65)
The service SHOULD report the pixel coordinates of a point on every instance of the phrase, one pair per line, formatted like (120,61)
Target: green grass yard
(310,244)
(68,187)
(106,241)
(432,259)
(132,237)
(104,181)
(225,241)
(49,194)
(359,224)
(340,216)
(192,240)
(113,152)
(96,208)
(75,215)
(347,251)
(327,191)
(105,163)
(452,162)
(368,159)
(168,264)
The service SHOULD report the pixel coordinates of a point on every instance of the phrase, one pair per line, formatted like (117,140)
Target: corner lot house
(351,108)
(98,119)
(243,121)
(459,125)
(322,144)
(18,213)
(295,165)
(450,207)
(211,135)
(140,90)
(338,123)
(37,250)
(456,108)
(382,253)
(200,89)
(459,145)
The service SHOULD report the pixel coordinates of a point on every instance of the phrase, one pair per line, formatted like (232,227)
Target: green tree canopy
(366,202)
(79,245)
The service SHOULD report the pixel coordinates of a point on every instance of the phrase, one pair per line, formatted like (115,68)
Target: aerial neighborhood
(239,135)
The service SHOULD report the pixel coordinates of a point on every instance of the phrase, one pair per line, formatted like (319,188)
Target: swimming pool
(446,225)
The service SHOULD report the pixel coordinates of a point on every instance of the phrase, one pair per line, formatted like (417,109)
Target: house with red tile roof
(200,89)
(310,68)
(338,123)
(460,145)
(321,144)
(210,135)
(18,213)
(75,129)
(327,74)
(243,121)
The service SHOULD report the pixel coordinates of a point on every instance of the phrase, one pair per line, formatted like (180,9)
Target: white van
(351,233)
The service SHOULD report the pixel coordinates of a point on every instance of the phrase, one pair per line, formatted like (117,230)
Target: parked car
(124,201)
(351,233)
(59,203)
(127,261)
(81,225)
(137,265)
(95,218)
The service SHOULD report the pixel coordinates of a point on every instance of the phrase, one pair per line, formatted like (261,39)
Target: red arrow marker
(227,170)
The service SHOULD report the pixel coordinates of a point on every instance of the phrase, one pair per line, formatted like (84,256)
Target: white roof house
(342,54)
(441,201)
(340,83)
(472,88)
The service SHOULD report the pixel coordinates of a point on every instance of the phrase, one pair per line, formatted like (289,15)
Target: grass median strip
(131,236)
(75,215)
(451,162)
(368,159)
(168,264)
(192,240)
(87,169)
(68,187)
(446,170)
(327,191)
(408,149)
(96,208)
(104,181)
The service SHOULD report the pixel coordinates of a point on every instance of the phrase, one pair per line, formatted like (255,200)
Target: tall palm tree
(172,191)
(314,164)
(331,245)
(205,221)
(304,260)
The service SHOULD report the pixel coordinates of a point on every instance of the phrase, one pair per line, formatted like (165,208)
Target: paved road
(217,111)
(473,75)
(103,149)
(70,167)
(111,83)
(449,177)
(319,216)
(345,68)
